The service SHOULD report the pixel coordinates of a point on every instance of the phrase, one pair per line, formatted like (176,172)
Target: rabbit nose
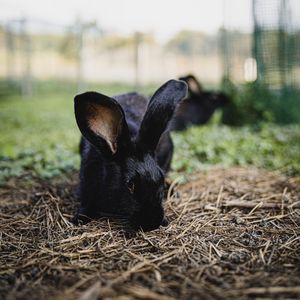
(149,227)
(149,218)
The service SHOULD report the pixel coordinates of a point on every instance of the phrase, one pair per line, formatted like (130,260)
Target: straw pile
(234,234)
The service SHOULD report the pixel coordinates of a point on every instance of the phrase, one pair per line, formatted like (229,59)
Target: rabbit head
(129,181)
(210,99)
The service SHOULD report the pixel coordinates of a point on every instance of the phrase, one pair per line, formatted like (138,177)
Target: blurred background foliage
(255,102)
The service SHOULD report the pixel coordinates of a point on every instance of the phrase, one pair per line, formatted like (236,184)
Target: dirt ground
(233,234)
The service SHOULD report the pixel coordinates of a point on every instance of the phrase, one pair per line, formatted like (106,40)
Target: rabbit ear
(159,112)
(101,121)
(193,84)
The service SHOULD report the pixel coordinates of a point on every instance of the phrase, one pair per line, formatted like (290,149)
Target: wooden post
(80,77)
(27,55)
(137,41)
(10,52)
(81,29)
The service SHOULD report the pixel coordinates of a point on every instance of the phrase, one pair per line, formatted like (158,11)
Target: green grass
(39,136)
(268,146)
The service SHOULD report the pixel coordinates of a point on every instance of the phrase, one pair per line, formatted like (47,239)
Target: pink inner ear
(106,122)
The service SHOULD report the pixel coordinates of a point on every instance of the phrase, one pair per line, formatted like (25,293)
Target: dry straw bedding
(234,234)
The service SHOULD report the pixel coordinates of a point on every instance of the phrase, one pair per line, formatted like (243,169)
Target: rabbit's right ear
(159,112)
(101,121)
(193,84)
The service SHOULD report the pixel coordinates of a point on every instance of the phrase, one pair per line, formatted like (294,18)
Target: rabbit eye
(130,186)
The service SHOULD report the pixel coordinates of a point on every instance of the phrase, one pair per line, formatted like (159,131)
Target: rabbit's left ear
(101,121)
(193,84)
(159,112)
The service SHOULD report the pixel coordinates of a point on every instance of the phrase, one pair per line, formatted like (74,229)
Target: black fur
(127,183)
(198,107)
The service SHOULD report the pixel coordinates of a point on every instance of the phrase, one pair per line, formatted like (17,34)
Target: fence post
(10,52)
(80,77)
(137,42)
(27,56)
(81,29)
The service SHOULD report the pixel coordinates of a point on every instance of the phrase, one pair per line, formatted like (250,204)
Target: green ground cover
(39,136)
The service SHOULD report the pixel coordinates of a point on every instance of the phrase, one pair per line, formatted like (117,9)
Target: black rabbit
(126,151)
(198,107)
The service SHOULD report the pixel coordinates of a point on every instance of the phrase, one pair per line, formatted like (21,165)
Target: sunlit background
(123,41)
(140,42)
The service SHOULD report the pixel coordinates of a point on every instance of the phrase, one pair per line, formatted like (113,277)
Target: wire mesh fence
(277,42)
(270,51)
(266,60)
(32,50)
